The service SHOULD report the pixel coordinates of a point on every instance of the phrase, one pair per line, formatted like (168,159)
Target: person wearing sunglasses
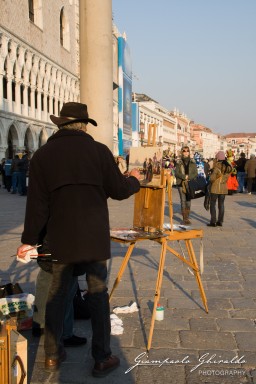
(186,169)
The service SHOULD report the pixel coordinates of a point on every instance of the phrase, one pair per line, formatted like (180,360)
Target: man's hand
(134,172)
(24,251)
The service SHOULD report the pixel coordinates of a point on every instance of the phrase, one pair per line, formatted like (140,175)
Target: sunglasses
(185,150)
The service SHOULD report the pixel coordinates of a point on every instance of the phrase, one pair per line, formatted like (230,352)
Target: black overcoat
(70,179)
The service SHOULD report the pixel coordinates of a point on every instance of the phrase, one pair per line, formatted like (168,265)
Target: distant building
(242,142)
(39,68)
(207,142)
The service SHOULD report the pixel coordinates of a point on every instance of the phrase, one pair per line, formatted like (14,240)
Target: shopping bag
(15,303)
(196,188)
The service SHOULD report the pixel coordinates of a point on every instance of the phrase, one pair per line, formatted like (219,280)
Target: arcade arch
(29,141)
(42,138)
(12,142)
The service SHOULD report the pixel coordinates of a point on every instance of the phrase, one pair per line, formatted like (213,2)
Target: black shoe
(211,225)
(74,341)
(219,224)
(102,369)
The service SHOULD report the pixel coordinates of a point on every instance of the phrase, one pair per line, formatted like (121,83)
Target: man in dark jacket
(71,178)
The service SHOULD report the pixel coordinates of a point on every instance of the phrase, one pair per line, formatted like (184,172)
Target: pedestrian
(70,179)
(8,174)
(250,170)
(23,171)
(240,163)
(15,173)
(3,172)
(185,170)
(218,188)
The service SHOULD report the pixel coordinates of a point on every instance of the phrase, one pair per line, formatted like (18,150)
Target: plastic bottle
(159,312)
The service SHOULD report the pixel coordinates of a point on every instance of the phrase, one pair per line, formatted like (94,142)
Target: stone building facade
(39,69)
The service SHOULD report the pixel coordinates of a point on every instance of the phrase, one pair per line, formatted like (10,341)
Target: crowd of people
(14,173)
(67,210)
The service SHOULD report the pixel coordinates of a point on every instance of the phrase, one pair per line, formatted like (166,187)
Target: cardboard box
(4,358)
(18,358)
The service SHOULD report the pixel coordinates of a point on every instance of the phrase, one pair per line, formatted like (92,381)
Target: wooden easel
(149,218)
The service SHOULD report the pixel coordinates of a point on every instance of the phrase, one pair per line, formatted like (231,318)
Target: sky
(198,56)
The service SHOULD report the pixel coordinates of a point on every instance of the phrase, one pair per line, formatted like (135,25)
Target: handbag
(10,289)
(196,188)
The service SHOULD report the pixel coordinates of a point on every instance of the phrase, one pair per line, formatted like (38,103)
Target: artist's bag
(196,188)
(10,289)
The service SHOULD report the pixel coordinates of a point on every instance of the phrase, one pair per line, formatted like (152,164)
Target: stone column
(17,96)
(9,93)
(32,101)
(96,66)
(1,93)
(39,104)
(25,100)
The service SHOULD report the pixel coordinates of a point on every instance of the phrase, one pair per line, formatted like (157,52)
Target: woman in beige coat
(218,188)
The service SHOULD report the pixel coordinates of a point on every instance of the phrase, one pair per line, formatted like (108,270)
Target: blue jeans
(241,180)
(15,180)
(98,300)
(22,189)
(43,283)
(221,199)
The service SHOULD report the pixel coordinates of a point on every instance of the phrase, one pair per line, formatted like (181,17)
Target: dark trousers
(185,204)
(221,199)
(249,184)
(98,299)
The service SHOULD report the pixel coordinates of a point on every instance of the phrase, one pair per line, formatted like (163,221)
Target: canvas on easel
(148,161)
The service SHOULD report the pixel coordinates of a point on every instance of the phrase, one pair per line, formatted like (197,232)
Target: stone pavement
(188,346)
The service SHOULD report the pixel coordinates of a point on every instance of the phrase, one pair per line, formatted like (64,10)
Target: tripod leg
(196,272)
(122,268)
(158,290)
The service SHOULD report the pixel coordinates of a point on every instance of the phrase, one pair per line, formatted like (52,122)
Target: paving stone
(203,325)
(246,340)
(243,313)
(243,303)
(207,340)
(241,325)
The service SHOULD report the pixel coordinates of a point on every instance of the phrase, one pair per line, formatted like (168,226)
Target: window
(42,101)
(36,95)
(29,96)
(35,12)
(61,26)
(4,87)
(64,30)
(21,94)
(13,90)
(31,10)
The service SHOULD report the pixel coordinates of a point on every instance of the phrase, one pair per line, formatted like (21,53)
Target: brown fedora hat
(72,113)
